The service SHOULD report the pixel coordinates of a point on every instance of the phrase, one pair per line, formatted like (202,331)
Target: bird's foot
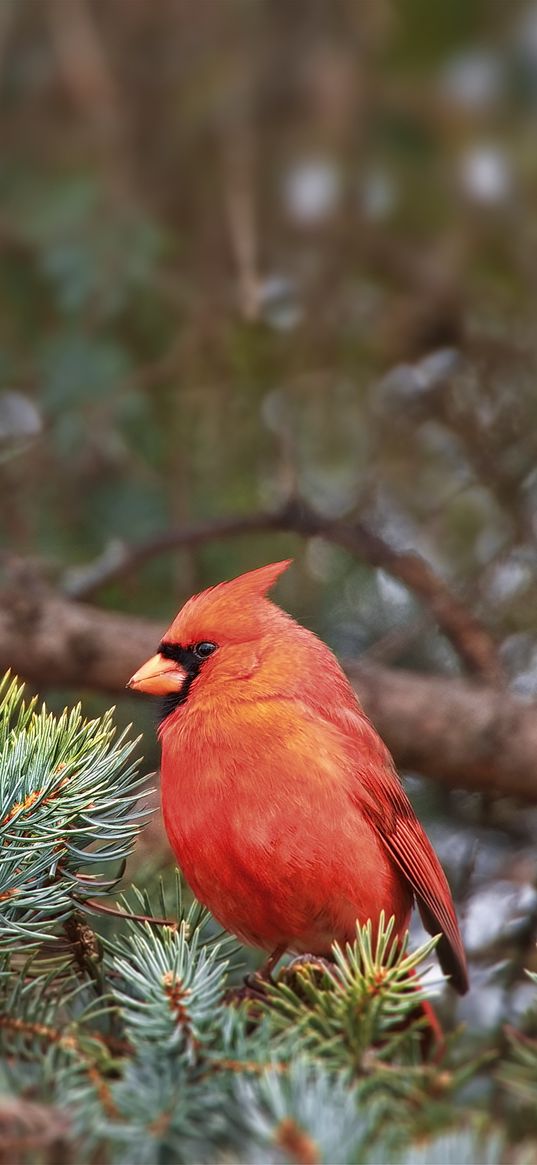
(256,983)
(253,991)
(318,967)
(265,971)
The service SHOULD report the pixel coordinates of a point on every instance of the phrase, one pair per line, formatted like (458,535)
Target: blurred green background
(248,247)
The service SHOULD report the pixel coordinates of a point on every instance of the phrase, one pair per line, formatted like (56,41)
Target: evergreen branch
(171,987)
(131,1035)
(68,800)
(451,1148)
(308,1115)
(518,1073)
(370,1000)
(163,1112)
(168,982)
(33,1030)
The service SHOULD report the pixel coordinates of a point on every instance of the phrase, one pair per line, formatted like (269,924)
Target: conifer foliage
(135,1043)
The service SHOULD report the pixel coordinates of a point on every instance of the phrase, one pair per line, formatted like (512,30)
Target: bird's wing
(412,851)
(378,793)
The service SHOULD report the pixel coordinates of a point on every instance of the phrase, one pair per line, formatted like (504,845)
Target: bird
(281,802)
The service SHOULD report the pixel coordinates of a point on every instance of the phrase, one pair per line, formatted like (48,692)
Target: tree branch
(460,733)
(470,639)
(455,731)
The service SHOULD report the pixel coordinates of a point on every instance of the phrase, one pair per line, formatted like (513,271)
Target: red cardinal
(281,803)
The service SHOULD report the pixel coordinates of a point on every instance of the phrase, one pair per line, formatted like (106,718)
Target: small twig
(100,908)
(472,641)
(135,554)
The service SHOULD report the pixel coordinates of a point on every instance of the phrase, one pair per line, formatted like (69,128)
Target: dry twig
(471,640)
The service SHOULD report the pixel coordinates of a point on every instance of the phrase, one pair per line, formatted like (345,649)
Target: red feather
(411,850)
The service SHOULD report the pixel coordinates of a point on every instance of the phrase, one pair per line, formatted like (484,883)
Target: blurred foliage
(230,235)
(247,247)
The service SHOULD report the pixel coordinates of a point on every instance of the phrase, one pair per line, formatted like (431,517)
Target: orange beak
(158,676)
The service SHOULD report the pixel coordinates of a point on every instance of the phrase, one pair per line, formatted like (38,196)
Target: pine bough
(127,1045)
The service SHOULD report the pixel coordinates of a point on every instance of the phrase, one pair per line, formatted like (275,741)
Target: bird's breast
(267,837)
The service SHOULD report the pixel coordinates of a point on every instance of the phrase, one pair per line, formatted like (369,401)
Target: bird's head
(220,635)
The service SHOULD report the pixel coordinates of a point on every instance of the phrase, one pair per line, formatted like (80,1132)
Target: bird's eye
(202,650)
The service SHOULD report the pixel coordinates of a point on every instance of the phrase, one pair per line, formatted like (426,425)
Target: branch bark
(472,641)
(457,732)
(460,733)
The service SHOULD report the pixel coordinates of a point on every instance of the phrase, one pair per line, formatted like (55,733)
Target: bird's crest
(255,583)
(233,607)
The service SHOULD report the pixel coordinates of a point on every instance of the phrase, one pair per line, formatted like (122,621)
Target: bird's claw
(253,990)
(258,980)
(312,963)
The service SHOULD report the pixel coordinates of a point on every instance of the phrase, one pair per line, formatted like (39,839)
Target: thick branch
(455,731)
(471,640)
(458,732)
